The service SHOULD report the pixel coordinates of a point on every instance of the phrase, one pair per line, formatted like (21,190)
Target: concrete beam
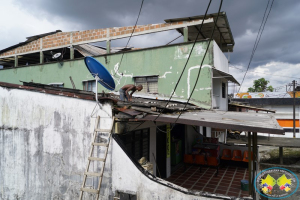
(71,52)
(16,61)
(186,34)
(41,57)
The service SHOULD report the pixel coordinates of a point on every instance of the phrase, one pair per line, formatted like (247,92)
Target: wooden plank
(103,130)
(100,144)
(96,159)
(92,174)
(89,190)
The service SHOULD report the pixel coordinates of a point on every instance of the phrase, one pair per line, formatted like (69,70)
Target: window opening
(149,83)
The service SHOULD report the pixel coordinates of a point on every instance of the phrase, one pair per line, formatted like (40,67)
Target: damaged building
(145,149)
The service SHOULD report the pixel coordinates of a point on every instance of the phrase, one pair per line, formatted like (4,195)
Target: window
(137,143)
(57,84)
(223,90)
(89,85)
(149,83)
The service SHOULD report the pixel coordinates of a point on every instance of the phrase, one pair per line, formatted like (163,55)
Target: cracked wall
(44,144)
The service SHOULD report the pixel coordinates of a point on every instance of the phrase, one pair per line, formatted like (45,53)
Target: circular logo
(276,183)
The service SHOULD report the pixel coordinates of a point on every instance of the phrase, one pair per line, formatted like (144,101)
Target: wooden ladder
(97,132)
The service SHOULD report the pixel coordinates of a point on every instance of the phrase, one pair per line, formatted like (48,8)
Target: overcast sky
(277,57)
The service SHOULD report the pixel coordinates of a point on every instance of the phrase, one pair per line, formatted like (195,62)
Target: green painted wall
(167,62)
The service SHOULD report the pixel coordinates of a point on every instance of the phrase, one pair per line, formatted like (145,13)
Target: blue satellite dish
(97,69)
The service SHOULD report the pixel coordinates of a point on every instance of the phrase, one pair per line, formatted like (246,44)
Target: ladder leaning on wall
(97,133)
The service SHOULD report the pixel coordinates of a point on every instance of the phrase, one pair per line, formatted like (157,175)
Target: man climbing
(126,88)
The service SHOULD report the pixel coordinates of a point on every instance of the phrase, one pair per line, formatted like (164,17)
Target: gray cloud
(279,42)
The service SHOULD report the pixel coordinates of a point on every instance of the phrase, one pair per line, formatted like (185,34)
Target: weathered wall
(167,62)
(44,145)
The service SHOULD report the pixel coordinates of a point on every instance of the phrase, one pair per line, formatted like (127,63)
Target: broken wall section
(44,144)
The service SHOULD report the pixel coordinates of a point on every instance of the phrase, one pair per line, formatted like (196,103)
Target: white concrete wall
(218,101)
(129,179)
(220,60)
(44,144)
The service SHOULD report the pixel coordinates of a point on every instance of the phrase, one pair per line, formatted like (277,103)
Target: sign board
(258,95)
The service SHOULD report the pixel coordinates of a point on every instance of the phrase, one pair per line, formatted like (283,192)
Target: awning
(242,121)
(220,74)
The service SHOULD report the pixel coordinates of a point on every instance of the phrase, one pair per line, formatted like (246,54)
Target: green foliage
(260,85)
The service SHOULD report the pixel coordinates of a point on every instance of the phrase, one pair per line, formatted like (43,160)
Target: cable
(263,23)
(174,40)
(185,63)
(265,73)
(130,36)
(199,71)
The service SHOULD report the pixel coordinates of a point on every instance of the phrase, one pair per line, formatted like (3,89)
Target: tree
(260,85)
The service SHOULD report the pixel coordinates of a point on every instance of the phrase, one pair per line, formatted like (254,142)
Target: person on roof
(126,88)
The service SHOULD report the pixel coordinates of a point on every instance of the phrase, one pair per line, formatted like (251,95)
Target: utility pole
(294,94)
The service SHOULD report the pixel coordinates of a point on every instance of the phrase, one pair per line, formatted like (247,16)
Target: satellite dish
(100,73)
(57,55)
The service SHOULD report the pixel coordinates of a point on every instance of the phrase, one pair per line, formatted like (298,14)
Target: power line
(130,36)
(259,34)
(173,40)
(265,73)
(185,63)
(199,71)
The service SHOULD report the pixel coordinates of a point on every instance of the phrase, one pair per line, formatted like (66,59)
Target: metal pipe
(249,163)
(294,94)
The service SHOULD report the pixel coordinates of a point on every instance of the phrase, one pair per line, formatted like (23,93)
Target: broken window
(149,83)
(89,85)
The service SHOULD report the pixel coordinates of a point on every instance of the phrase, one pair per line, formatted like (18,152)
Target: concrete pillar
(71,52)
(107,46)
(16,61)
(208,132)
(41,57)
(185,34)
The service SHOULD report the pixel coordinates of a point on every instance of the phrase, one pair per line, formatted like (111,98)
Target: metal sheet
(243,121)
(222,34)
(128,111)
(219,74)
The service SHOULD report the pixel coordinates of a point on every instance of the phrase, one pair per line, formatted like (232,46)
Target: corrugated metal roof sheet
(222,34)
(242,121)
(219,74)
(89,50)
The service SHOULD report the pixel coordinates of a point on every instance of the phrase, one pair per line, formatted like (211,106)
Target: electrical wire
(185,63)
(259,34)
(265,73)
(173,40)
(199,71)
(130,36)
